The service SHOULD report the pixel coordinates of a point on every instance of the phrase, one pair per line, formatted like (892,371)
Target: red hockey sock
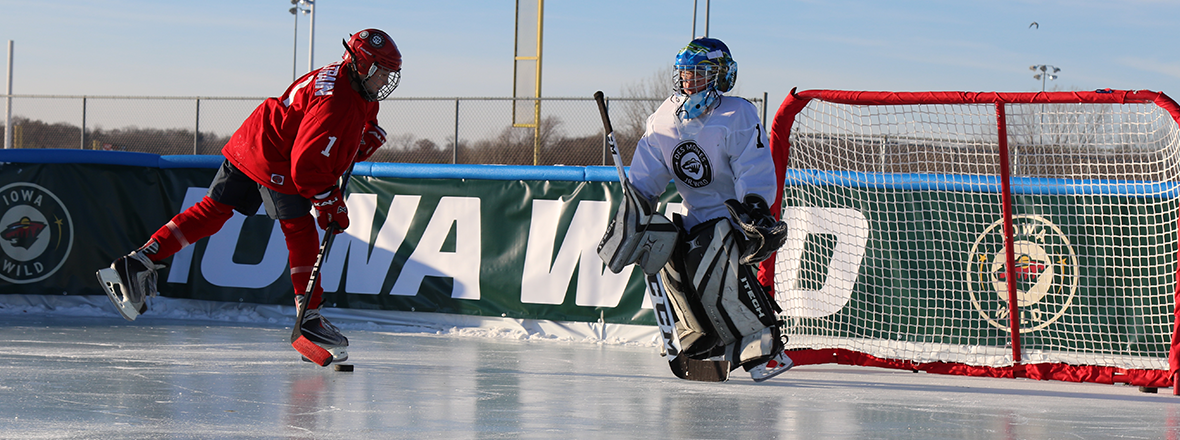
(303,248)
(197,222)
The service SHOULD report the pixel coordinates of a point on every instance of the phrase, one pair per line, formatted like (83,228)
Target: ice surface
(227,371)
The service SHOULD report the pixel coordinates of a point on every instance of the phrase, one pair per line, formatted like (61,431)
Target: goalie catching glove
(330,208)
(763,234)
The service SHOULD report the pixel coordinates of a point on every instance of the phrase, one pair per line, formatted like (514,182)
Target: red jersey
(303,141)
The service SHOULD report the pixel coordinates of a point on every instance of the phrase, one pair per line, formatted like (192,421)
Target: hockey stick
(681,366)
(304,346)
(655,288)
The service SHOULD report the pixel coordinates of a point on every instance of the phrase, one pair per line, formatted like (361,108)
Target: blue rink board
(367,169)
(899,181)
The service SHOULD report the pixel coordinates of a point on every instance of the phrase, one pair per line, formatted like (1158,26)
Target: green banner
(509,248)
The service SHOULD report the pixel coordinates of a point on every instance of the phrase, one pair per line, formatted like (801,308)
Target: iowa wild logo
(1045,273)
(37,233)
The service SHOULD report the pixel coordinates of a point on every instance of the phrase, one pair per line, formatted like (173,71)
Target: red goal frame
(779,134)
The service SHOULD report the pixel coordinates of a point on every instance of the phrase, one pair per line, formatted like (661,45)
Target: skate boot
(777,365)
(319,331)
(128,283)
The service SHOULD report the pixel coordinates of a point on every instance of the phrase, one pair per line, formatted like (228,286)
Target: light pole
(1045,73)
(310,34)
(694,19)
(306,7)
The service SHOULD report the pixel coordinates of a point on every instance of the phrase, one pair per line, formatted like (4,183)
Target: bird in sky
(1034,25)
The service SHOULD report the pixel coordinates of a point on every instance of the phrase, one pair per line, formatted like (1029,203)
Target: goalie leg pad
(728,292)
(696,336)
(637,235)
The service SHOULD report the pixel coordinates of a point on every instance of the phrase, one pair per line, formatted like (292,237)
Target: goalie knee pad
(722,292)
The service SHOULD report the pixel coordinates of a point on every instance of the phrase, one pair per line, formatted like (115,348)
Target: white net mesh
(897,247)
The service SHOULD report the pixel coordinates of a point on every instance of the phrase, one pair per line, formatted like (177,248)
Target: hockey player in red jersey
(287,156)
(713,148)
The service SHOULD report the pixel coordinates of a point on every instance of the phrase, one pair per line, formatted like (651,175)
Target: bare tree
(650,91)
(404,141)
(515,145)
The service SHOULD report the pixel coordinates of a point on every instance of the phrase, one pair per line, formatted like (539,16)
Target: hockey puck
(343,367)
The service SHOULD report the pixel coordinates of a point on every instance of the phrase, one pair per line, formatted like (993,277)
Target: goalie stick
(304,346)
(681,366)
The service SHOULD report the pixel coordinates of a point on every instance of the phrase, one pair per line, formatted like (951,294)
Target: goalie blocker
(637,235)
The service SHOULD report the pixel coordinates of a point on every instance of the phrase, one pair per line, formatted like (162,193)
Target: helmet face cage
(687,80)
(374,88)
(376,62)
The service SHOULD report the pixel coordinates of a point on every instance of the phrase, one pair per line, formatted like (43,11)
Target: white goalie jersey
(722,154)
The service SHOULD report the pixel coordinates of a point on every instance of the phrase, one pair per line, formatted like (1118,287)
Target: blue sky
(465,48)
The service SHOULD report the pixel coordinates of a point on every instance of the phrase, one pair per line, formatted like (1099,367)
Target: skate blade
(339,354)
(112,284)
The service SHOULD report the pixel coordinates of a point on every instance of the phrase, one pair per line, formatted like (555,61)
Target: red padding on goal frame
(1043,371)
(901,98)
(780,145)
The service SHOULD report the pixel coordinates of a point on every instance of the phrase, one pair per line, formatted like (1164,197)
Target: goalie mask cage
(987,234)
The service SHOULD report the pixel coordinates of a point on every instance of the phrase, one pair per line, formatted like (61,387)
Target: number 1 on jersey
(328,150)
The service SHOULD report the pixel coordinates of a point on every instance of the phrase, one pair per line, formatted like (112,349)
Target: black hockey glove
(763,234)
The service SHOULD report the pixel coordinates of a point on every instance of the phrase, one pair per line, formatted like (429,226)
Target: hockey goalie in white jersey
(714,148)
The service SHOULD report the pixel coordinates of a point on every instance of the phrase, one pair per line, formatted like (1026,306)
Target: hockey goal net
(991,234)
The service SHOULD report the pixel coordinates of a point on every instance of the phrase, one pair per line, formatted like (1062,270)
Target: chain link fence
(563,131)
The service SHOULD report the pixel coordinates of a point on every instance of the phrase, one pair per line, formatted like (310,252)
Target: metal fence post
(455,146)
(82,139)
(197,126)
(8,136)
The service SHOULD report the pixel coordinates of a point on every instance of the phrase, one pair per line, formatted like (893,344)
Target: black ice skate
(319,331)
(128,283)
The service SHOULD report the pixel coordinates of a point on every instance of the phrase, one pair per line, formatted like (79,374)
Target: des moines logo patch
(37,233)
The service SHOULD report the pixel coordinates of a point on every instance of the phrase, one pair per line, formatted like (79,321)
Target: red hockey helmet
(377,62)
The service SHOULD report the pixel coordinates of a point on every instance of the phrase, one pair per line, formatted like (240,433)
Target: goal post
(992,234)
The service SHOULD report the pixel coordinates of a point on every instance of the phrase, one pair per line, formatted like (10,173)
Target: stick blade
(699,370)
(311,351)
